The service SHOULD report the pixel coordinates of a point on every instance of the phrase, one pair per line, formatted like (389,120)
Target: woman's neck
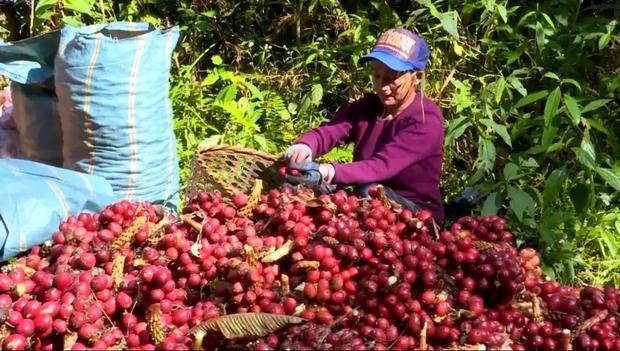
(390,113)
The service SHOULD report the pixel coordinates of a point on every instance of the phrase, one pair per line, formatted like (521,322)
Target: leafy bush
(529,92)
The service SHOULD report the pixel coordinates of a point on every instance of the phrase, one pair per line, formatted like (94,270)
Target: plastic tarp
(35,198)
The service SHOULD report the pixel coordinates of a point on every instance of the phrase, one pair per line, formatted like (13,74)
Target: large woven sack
(116,115)
(36,198)
(29,63)
(37,122)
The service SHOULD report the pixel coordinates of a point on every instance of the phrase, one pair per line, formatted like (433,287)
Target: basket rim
(237,149)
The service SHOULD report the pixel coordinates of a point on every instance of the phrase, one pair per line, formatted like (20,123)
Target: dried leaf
(283,251)
(330,241)
(4,331)
(195,249)
(284,281)
(118,270)
(484,245)
(139,262)
(253,199)
(538,314)
(565,340)
(119,346)
(308,265)
(590,322)
(468,347)
(314,203)
(423,345)
(4,313)
(187,219)
(242,325)
(383,197)
(299,309)
(128,234)
(249,255)
(70,340)
(153,323)
(155,233)
(28,271)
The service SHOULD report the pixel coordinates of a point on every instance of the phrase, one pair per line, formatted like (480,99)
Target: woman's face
(392,87)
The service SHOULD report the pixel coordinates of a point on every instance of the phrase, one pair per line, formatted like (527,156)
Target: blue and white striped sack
(35,198)
(112,83)
(29,63)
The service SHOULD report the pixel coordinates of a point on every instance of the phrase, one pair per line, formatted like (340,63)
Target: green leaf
(529,162)
(449,24)
(492,204)
(82,6)
(501,9)
(210,14)
(551,75)
(486,154)
(498,129)
(511,171)
(455,129)
(254,90)
(547,235)
(573,82)
(581,197)
(516,84)
(604,40)
(520,202)
(317,94)
(217,60)
(533,97)
(540,36)
(548,136)
(598,125)
(292,108)
(595,105)
(261,141)
(499,89)
(551,106)
(612,178)
(583,157)
(211,79)
(548,19)
(227,95)
(310,58)
(42,8)
(573,108)
(210,141)
(587,147)
(553,185)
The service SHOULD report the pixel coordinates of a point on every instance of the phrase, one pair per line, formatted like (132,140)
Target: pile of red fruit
(362,274)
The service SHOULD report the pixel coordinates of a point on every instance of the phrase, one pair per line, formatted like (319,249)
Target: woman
(398,133)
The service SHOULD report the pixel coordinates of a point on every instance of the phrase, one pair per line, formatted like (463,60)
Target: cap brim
(389,60)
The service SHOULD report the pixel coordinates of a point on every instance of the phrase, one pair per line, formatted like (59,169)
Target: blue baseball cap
(400,49)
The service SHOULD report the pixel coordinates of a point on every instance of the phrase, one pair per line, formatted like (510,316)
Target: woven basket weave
(231,169)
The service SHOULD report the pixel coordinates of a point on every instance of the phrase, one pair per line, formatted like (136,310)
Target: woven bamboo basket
(232,169)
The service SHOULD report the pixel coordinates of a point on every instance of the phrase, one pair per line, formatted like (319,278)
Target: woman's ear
(416,78)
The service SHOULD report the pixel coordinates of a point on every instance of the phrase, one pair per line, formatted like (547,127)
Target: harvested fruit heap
(323,273)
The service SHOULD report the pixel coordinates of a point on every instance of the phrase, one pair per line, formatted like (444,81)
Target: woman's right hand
(298,153)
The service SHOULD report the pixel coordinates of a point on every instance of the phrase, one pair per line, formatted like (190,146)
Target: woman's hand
(298,153)
(327,172)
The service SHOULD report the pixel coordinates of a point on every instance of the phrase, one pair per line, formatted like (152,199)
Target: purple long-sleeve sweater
(404,153)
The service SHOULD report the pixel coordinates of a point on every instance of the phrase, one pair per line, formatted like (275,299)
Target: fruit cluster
(362,275)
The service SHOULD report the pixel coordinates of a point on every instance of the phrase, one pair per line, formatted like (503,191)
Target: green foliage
(529,91)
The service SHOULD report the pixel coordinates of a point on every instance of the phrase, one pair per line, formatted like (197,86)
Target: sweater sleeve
(412,142)
(326,136)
